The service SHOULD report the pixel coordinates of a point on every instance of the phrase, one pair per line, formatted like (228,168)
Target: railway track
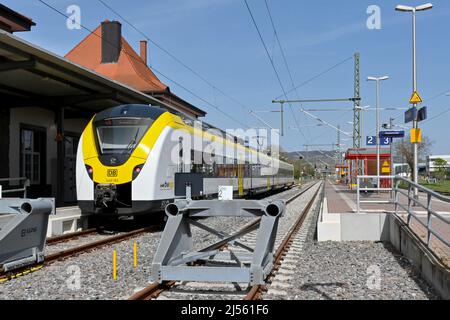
(71,236)
(74,251)
(154,290)
(256,292)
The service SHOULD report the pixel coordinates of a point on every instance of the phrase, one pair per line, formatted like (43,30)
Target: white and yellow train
(128,157)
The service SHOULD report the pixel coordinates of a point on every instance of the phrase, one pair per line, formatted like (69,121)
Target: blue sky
(218,39)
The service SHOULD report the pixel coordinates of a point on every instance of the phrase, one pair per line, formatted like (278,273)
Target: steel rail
(70,236)
(256,291)
(64,254)
(93,245)
(153,290)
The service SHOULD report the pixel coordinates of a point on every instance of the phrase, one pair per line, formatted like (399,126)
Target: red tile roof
(130,68)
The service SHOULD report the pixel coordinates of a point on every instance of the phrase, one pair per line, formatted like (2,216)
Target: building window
(32,153)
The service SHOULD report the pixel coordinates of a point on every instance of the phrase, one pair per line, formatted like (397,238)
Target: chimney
(143,45)
(111,41)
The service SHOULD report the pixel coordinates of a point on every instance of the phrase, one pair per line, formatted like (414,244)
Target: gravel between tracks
(324,271)
(57,247)
(349,271)
(228,291)
(60,279)
(342,271)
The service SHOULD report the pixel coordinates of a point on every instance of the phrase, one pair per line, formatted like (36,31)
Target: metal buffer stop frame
(23,229)
(177,260)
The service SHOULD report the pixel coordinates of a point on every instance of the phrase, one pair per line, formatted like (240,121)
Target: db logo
(112,173)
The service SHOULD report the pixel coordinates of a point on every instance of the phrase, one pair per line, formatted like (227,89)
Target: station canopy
(34,77)
(366,153)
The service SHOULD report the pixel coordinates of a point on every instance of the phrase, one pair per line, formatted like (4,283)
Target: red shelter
(366,160)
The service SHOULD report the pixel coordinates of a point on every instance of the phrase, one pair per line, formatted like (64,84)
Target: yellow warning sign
(386,163)
(415,98)
(386,170)
(416,136)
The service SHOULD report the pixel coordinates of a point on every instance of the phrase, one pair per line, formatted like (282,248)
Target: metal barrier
(363,187)
(26,184)
(23,229)
(176,254)
(412,201)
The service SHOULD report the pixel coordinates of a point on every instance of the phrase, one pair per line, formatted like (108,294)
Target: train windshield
(120,135)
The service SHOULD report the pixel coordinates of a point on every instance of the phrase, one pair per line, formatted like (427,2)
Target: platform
(66,220)
(342,202)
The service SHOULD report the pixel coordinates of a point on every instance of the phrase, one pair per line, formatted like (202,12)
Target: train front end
(113,152)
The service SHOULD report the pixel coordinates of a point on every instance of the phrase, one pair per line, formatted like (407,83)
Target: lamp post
(378,123)
(413,10)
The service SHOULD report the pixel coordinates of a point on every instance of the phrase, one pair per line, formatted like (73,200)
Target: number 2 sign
(372,141)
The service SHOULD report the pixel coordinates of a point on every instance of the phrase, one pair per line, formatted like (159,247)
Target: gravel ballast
(89,275)
(329,270)
(355,270)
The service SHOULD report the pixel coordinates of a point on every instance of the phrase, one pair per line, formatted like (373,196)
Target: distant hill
(315,157)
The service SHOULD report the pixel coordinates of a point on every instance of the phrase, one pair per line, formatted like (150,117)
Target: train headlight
(90,171)
(137,170)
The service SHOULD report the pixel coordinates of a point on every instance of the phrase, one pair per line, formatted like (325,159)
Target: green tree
(441,168)
(303,169)
(404,149)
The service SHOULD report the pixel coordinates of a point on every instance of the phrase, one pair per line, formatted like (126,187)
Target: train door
(241,179)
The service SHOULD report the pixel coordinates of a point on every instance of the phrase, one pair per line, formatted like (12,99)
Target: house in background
(106,52)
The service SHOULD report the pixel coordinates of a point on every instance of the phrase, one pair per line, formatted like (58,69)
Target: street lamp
(378,123)
(403,8)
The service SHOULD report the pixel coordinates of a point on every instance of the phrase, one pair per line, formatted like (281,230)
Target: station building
(47,100)
(431,163)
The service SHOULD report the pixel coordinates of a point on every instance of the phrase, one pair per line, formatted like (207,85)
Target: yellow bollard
(114,265)
(135,254)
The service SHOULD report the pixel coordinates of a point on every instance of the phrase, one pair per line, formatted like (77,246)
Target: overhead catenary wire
(272,64)
(179,61)
(304,83)
(283,55)
(153,68)
(163,75)
(197,74)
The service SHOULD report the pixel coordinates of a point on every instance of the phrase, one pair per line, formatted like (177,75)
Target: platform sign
(422,115)
(372,141)
(411,115)
(416,114)
(385,141)
(392,134)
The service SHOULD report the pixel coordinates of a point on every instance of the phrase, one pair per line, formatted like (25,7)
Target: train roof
(148,111)
(131,111)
